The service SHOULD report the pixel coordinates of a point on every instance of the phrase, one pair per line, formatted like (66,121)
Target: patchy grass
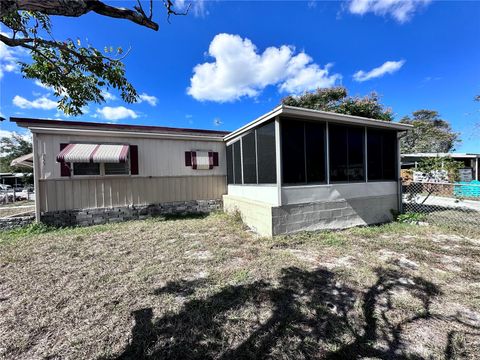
(206,288)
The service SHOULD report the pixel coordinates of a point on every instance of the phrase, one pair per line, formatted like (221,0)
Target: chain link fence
(453,205)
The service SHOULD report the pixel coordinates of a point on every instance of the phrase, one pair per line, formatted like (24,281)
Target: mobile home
(289,170)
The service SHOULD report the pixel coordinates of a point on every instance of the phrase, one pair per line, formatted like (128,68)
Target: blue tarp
(467,189)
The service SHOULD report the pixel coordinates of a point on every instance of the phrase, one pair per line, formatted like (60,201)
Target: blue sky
(228,62)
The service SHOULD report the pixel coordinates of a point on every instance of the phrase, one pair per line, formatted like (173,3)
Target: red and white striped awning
(96,153)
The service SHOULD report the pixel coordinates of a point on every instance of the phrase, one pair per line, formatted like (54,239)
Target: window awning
(96,153)
(25,160)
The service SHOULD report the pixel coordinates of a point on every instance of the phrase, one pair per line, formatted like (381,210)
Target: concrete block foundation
(269,220)
(87,217)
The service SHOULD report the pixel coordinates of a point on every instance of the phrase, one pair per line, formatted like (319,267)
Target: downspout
(36,176)
(399,180)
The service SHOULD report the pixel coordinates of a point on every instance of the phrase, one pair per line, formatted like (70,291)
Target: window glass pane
(389,152)
(267,172)
(315,152)
(230,179)
(293,151)
(374,154)
(249,159)
(86,169)
(356,145)
(338,152)
(237,163)
(117,169)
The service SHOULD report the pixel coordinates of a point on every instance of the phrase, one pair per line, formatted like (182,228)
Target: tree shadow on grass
(308,314)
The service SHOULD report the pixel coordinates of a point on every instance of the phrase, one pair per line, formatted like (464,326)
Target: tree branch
(77,8)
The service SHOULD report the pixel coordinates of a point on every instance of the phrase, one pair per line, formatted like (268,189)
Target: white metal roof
(452,155)
(302,113)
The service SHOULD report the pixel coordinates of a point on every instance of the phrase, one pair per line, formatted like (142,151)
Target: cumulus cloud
(116,113)
(400,10)
(8,58)
(388,67)
(108,96)
(41,103)
(240,70)
(152,100)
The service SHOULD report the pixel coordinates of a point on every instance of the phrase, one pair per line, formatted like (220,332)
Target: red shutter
(210,159)
(215,159)
(133,159)
(188,158)
(194,160)
(64,167)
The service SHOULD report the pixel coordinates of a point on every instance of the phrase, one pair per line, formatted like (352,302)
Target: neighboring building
(291,169)
(471,161)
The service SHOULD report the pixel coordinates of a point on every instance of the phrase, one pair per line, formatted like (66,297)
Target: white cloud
(116,113)
(400,10)
(108,96)
(41,103)
(388,67)
(196,7)
(240,70)
(144,97)
(8,58)
(43,86)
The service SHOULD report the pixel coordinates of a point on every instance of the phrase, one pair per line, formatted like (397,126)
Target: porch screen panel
(315,152)
(382,154)
(390,158)
(338,151)
(249,159)
(374,154)
(237,163)
(230,179)
(356,154)
(293,152)
(266,158)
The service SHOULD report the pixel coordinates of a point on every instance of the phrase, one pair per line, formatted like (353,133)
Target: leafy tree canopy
(448,164)
(12,148)
(77,72)
(337,100)
(430,133)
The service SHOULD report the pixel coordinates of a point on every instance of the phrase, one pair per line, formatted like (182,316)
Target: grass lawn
(207,288)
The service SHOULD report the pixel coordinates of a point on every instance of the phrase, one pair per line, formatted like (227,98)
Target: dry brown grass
(206,288)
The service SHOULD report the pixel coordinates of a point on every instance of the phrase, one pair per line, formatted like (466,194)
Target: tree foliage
(430,133)
(76,72)
(337,100)
(12,148)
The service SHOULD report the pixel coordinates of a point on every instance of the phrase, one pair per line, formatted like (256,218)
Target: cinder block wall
(268,220)
(339,214)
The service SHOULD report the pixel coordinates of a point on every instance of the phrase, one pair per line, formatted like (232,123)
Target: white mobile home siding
(163,176)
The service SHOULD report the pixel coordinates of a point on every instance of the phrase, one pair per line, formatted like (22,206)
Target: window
(230,179)
(86,169)
(117,168)
(249,159)
(382,154)
(237,163)
(347,155)
(303,152)
(266,157)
